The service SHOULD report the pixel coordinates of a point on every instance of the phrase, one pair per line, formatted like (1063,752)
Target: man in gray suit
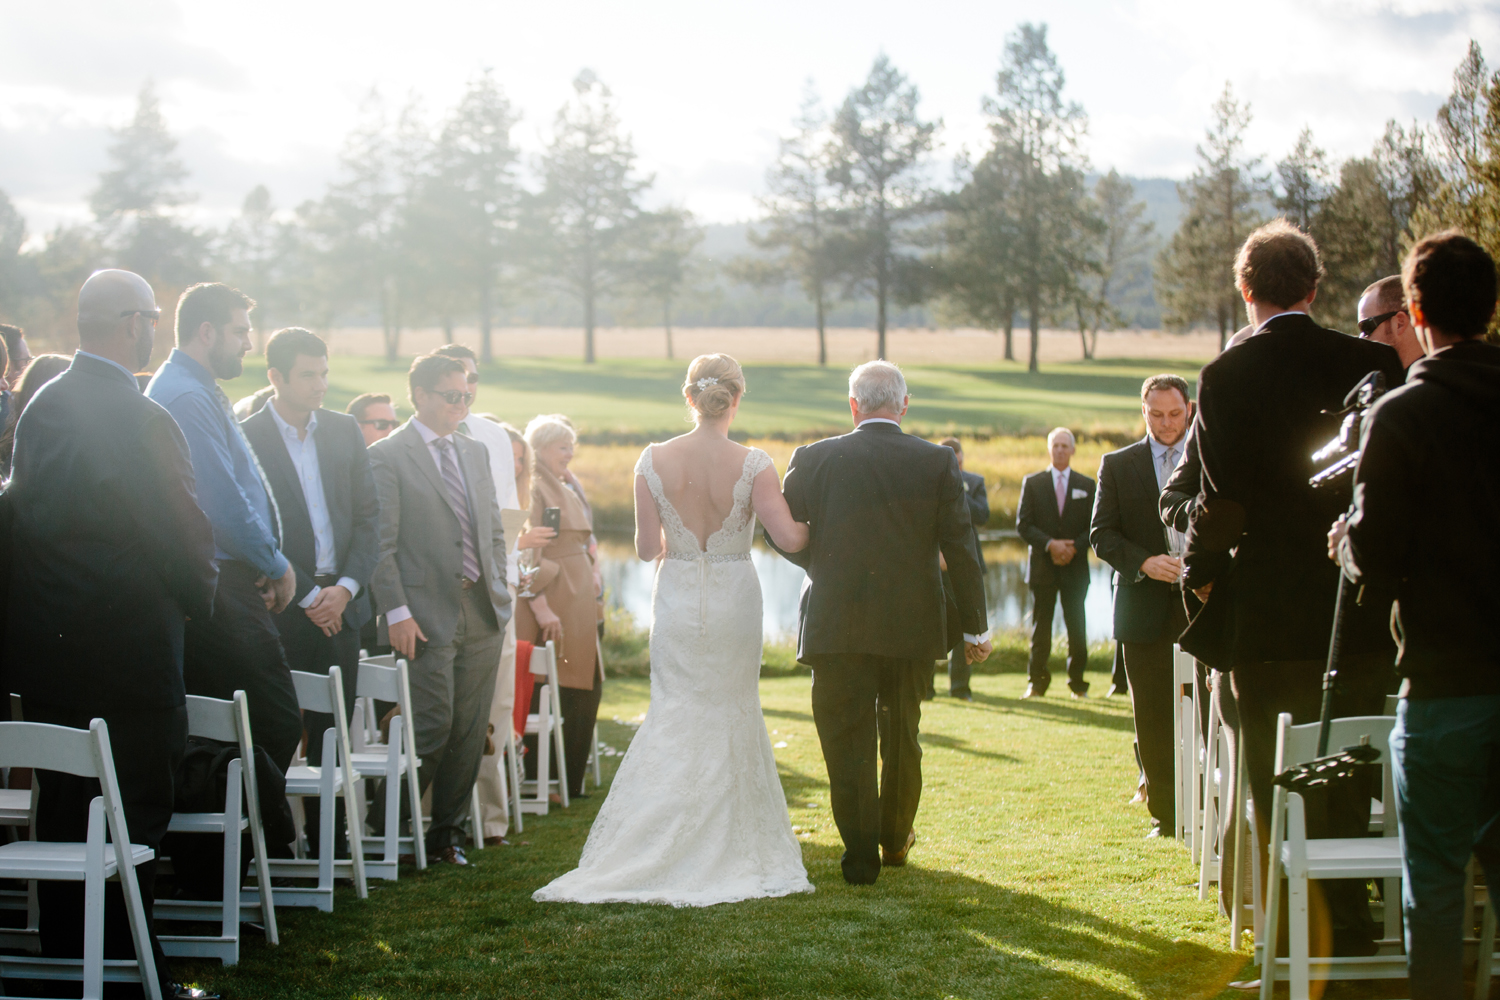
(440,584)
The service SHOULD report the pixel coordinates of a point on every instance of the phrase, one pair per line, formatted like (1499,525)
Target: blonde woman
(696,814)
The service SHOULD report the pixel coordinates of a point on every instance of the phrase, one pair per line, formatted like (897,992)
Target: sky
(264,93)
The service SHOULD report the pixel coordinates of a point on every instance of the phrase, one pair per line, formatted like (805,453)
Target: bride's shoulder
(757,461)
(643,464)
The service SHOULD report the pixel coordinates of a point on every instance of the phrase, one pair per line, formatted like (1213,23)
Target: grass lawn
(640,399)
(1030,879)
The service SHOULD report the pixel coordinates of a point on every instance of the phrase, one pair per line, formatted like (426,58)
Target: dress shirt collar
(109,361)
(1059,473)
(1290,312)
(1158,449)
(428,434)
(190,365)
(288,429)
(869,423)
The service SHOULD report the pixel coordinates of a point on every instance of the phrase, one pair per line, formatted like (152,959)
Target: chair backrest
(212,718)
(1299,744)
(544,662)
(313,693)
(55,748)
(376,680)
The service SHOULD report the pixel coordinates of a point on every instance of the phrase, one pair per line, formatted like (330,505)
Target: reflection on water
(628,583)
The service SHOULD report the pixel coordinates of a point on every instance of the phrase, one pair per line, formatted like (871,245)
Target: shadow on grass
(782,713)
(964,746)
(1054,710)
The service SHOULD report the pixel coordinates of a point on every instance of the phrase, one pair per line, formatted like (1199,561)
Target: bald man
(1383,318)
(110,553)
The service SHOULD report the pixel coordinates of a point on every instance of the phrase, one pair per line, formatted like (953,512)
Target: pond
(628,581)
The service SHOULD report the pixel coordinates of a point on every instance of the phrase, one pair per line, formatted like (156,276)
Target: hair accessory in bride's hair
(704,383)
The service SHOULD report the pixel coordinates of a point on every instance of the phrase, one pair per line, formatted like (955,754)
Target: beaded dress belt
(703,559)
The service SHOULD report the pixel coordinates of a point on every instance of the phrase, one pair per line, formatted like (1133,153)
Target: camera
(1343,451)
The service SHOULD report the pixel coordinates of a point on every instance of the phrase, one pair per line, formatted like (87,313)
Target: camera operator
(1426,530)
(1264,407)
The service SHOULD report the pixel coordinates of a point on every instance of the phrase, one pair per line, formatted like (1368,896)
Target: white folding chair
(592,764)
(1212,819)
(18,811)
(227,722)
(1185,738)
(85,753)
(335,777)
(546,724)
(511,773)
(1302,860)
(393,760)
(1484,968)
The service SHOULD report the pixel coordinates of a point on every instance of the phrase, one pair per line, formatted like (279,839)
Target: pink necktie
(1062,492)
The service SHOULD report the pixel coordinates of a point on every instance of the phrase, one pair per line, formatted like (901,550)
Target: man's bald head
(103,300)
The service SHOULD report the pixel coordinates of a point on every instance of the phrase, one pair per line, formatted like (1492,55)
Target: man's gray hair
(878,387)
(1058,432)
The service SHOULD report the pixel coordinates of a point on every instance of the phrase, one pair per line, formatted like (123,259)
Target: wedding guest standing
(43,369)
(565,609)
(979,515)
(376,416)
(1053,518)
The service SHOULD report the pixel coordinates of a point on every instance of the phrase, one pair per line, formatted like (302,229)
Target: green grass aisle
(1030,879)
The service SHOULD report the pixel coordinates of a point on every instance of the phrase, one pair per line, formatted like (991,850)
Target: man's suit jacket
(110,548)
(881,505)
(1264,407)
(1038,522)
(348,492)
(1126,531)
(421,556)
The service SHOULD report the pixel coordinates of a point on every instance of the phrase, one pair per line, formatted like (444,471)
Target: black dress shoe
(451,856)
(177,991)
(1032,691)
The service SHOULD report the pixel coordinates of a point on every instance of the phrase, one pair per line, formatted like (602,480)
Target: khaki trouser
(502,707)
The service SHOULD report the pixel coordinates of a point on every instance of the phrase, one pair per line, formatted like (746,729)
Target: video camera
(1343,450)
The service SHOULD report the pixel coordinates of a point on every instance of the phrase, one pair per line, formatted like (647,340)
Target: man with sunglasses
(1384,319)
(376,416)
(440,583)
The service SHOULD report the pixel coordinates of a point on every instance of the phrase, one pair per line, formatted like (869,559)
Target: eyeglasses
(1367,327)
(151,314)
(382,425)
(454,396)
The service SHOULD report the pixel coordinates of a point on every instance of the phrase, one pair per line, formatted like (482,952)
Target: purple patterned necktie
(455,484)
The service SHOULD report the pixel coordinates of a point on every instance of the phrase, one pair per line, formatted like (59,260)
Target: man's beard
(143,346)
(225,364)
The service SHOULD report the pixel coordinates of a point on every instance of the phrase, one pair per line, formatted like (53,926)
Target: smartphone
(552,518)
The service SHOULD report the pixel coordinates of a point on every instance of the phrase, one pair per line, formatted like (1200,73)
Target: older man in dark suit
(1146,555)
(111,553)
(1053,518)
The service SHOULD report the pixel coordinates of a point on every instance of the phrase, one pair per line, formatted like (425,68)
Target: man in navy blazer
(1053,518)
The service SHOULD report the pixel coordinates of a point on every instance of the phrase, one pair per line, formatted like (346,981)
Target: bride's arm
(649,543)
(771,508)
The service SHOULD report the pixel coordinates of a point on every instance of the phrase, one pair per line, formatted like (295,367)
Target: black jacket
(1426,522)
(110,549)
(1038,523)
(1264,407)
(348,490)
(881,505)
(1127,530)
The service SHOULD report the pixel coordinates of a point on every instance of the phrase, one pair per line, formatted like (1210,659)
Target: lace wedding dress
(696,815)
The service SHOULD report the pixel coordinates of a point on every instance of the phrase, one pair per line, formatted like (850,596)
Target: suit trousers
(1148,665)
(452,688)
(238,648)
(309,650)
(147,746)
(502,724)
(1262,691)
(859,702)
(1045,595)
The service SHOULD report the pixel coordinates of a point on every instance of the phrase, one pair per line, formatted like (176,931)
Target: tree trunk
(666,321)
(880,319)
(389,325)
(1083,331)
(588,328)
(1224,322)
(822,333)
(448,329)
(486,351)
(1010,323)
(1034,309)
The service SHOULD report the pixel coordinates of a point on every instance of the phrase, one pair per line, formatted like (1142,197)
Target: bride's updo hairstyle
(714,382)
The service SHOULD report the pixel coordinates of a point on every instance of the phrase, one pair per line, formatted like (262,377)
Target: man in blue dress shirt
(238,646)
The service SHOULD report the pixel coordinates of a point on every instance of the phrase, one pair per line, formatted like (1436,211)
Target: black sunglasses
(1367,327)
(454,396)
(382,425)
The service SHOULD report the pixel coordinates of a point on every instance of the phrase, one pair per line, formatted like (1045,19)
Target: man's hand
(1163,568)
(1061,550)
(546,620)
(327,609)
(1202,592)
(280,592)
(404,636)
(979,653)
(1336,534)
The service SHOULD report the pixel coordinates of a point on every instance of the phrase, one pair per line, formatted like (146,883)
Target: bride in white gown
(696,815)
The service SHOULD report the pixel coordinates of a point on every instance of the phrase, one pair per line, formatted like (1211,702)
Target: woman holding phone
(563,607)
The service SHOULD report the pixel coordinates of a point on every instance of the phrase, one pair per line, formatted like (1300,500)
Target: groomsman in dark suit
(1128,534)
(1053,518)
(319,471)
(979,515)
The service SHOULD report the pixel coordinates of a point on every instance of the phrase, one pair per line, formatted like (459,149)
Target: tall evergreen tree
(974,269)
(878,150)
(1122,239)
(664,262)
(1304,182)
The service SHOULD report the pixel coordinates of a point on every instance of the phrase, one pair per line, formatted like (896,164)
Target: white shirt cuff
(977,640)
(347,582)
(397,615)
(312,595)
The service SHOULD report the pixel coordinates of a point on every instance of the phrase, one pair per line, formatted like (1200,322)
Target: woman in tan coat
(565,608)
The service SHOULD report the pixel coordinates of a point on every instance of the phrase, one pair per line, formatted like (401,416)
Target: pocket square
(1080,494)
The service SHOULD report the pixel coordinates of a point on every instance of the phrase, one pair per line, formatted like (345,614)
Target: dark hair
(286,346)
(953,443)
(12,336)
(1157,383)
(458,351)
(208,302)
(1278,264)
(427,370)
(1389,295)
(359,404)
(43,369)
(4,355)
(1451,280)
